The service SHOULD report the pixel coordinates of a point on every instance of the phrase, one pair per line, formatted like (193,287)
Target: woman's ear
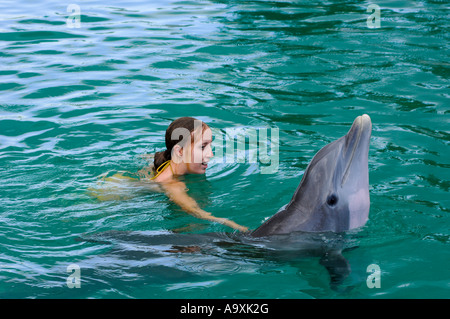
(177,154)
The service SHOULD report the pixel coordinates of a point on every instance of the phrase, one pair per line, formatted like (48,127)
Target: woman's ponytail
(161,158)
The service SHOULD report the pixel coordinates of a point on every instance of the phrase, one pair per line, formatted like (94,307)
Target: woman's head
(188,143)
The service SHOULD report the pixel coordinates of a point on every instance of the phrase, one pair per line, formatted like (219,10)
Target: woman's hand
(226,222)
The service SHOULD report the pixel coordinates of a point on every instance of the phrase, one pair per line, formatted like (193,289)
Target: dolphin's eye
(332,200)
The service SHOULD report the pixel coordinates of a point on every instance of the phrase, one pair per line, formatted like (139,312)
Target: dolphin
(333,194)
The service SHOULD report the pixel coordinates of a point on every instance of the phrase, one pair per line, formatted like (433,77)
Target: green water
(78,102)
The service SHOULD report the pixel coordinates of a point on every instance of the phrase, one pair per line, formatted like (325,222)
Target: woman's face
(201,152)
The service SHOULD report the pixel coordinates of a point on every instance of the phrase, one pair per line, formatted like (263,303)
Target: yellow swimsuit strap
(161,169)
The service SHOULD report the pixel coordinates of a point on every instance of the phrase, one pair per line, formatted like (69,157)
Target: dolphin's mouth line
(355,146)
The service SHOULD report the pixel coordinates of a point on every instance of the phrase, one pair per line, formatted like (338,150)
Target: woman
(188,151)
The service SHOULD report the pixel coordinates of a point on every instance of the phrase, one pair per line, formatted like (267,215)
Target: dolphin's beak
(365,125)
(357,143)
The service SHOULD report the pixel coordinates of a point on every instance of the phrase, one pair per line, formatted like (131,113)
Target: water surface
(79,102)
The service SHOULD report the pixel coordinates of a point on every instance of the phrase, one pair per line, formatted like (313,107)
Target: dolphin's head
(333,194)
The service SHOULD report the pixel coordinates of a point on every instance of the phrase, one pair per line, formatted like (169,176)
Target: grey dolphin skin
(333,194)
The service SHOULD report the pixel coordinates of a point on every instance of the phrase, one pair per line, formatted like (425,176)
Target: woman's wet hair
(172,138)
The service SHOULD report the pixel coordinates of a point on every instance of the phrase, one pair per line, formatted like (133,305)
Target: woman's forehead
(207,134)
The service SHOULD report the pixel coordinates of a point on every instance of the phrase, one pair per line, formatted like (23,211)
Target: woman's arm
(177,192)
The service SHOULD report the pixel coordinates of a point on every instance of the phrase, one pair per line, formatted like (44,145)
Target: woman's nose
(210,153)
